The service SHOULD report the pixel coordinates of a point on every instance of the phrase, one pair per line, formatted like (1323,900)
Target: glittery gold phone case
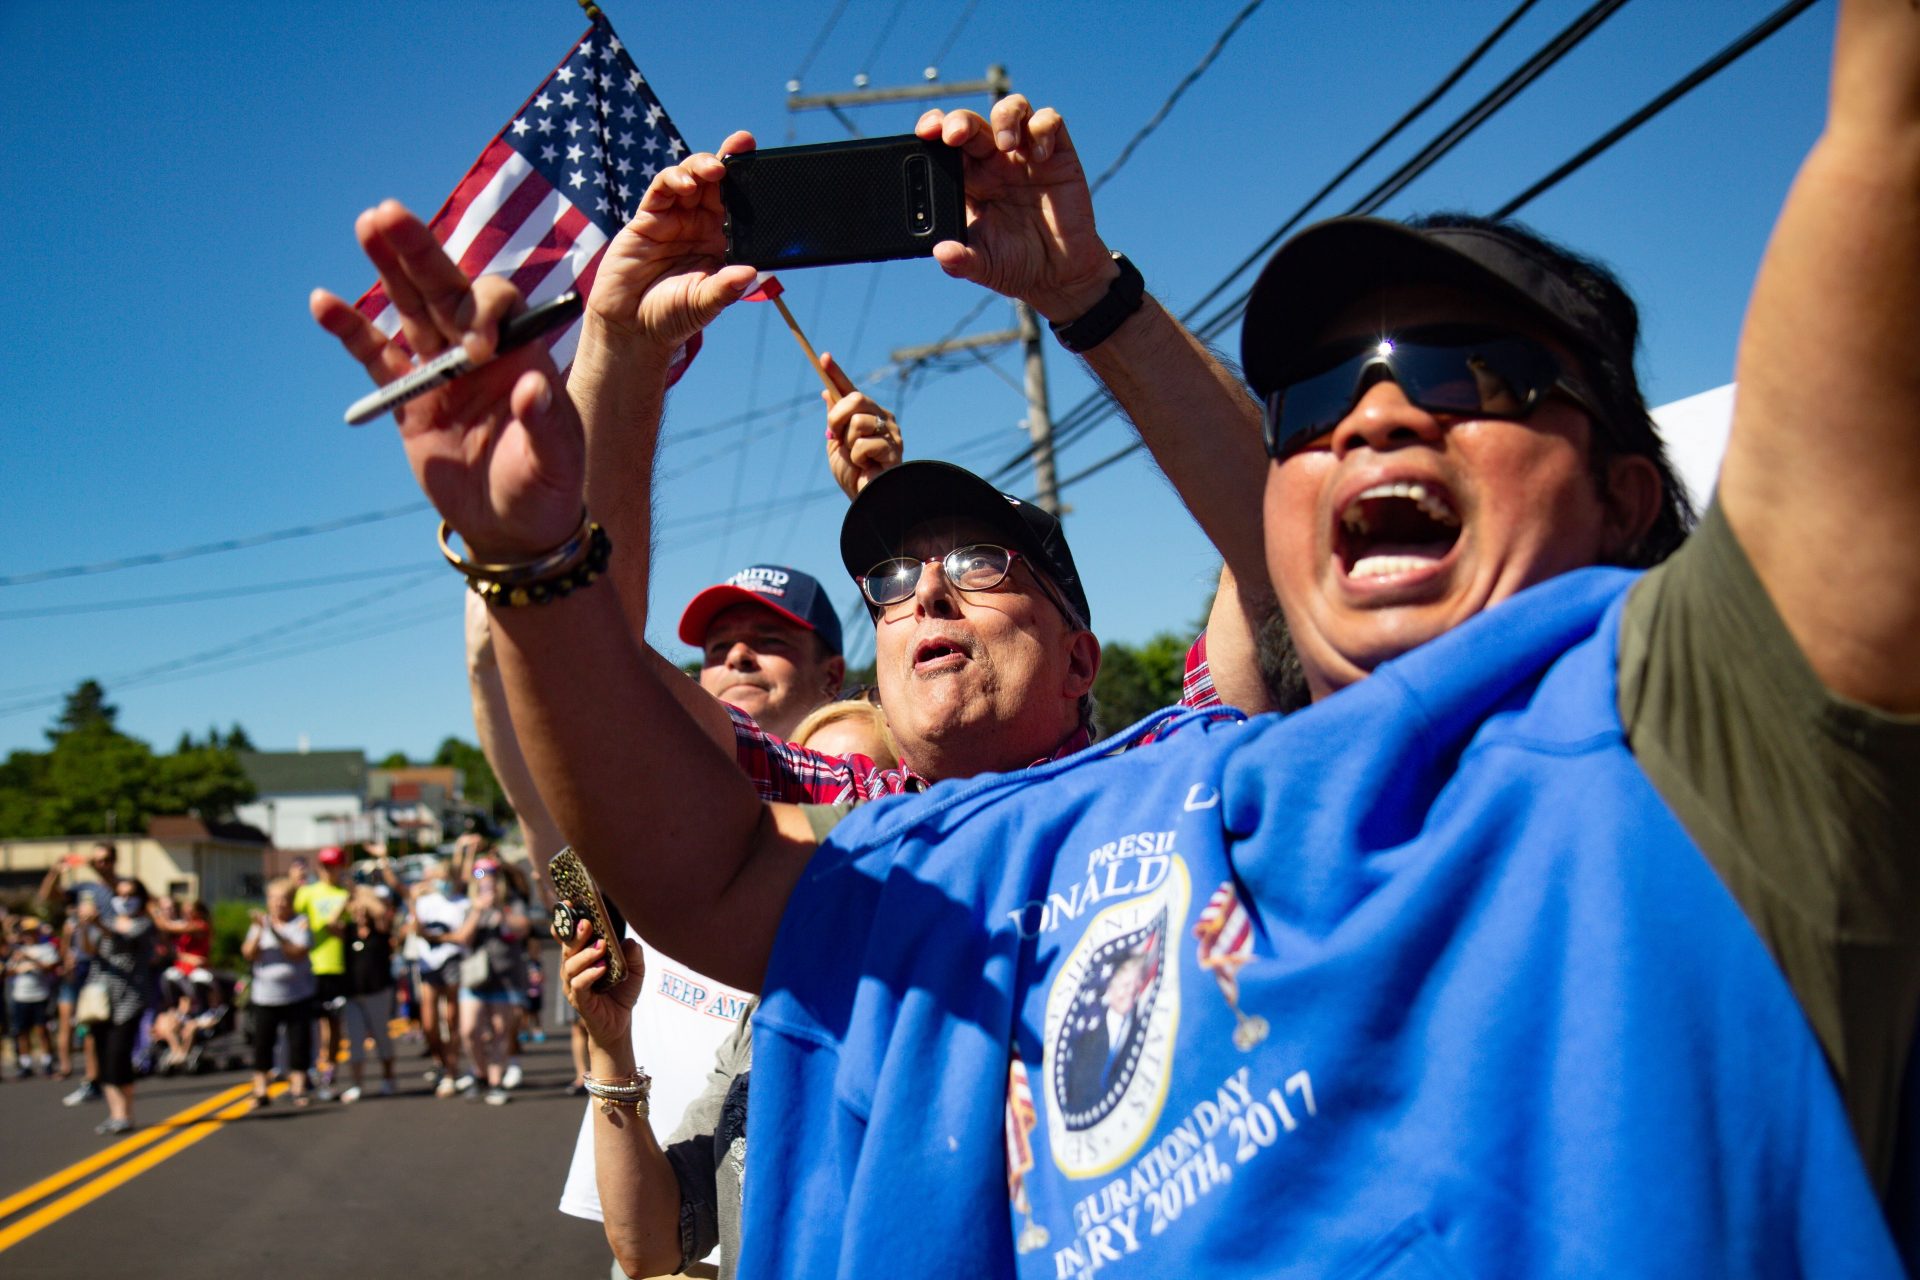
(580,900)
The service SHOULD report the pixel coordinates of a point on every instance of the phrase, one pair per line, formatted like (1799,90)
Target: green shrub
(231,919)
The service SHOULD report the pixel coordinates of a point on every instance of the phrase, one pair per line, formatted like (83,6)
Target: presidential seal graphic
(1110,1023)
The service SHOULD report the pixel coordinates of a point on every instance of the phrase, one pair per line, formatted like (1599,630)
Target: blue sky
(176,178)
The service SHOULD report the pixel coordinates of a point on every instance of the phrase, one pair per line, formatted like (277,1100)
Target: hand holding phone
(580,899)
(1030,225)
(868,200)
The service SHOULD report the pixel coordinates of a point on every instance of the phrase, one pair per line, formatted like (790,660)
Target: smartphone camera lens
(919,171)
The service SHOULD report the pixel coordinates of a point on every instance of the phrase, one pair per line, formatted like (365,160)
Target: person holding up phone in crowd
(280,994)
(121,943)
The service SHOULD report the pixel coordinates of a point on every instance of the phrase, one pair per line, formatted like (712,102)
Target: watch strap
(1123,297)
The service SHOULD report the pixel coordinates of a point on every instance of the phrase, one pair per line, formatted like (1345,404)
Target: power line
(1097,408)
(223,593)
(819,43)
(1687,84)
(1766,28)
(946,46)
(879,41)
(1187,82)
(214,548)
(253,641)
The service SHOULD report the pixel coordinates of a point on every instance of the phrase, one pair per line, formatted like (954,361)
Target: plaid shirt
(782,772)
(1196,684)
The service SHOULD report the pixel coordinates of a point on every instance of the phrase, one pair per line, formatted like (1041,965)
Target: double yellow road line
(161,1141)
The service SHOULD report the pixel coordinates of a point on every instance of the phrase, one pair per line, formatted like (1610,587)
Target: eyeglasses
(979,567)
(1452,369)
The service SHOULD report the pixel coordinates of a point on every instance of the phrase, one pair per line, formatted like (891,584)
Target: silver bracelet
(629,1091)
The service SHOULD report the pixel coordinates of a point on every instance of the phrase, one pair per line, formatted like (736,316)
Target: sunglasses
(1471,372)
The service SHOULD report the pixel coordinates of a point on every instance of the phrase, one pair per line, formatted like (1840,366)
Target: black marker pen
(454,361)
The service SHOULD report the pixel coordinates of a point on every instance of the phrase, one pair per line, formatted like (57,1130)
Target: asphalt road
(405,1186)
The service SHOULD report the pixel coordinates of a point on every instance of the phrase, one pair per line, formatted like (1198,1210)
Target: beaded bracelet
(630,1091)
(573,564)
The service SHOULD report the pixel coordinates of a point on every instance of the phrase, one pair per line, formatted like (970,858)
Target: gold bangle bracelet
(514,574)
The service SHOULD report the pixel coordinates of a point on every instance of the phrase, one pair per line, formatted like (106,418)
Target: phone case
(580,900)
(869,200)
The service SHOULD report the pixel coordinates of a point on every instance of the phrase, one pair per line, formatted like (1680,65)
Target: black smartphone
(868,200)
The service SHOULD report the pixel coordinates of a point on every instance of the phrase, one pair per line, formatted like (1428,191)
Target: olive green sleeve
(1806,804)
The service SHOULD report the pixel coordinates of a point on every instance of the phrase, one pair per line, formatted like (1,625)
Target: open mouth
(1391,530)
(936,653)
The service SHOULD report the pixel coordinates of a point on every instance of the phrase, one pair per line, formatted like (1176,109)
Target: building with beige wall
(178,854)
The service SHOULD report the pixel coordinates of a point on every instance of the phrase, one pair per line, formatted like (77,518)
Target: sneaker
(463,1085)
(512,1077)
(88,1092)
(110,1126)
(324,1093)
(446,1088)
(498,1096)
(351,1096)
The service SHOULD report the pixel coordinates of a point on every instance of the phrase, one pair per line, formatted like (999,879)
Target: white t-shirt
(450,912)
(679,1022)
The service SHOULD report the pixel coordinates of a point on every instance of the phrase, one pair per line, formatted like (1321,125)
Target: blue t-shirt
(1424,981)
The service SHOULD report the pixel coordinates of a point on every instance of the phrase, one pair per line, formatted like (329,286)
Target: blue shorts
(505,995)
(28,1014)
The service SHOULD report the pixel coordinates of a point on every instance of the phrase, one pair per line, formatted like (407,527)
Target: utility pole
(1027,325)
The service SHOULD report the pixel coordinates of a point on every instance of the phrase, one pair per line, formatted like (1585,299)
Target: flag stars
(586,48)
(574,127)
(600,205)
(626,139)
(612,47)
(675,147)
(606,81)
(549,154)
(521,128)
(623,191)
(654,113)
(577,179)
(648,169)
(546,124)
(564,75)
(653,143)
(635,79)
(573,155)
(543,102)
(627,112)
(569,99)
(623,165)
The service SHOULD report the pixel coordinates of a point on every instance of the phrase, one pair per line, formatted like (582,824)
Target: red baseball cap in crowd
(332,856)
(795,596)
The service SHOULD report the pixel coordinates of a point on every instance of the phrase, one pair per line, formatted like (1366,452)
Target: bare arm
(648,299)
(1031,235)
(639,1194)
(1823,465)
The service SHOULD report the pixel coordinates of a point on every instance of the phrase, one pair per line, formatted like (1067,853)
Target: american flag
(557,183)
(1225,933)
(1021,1119)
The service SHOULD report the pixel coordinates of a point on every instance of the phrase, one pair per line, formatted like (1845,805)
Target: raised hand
(664,277)
(607,1015)
(1030,229)
(498,451)
(863,439)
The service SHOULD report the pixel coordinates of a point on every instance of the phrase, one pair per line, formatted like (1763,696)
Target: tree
(238,739)
(482,788)
(395,760)
(98,779)
(1136,680)
(85,708)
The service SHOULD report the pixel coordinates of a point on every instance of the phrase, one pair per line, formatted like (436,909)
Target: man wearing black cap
(1448,974)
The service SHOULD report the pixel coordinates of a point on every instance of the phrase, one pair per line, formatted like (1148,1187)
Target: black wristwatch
(1122,299)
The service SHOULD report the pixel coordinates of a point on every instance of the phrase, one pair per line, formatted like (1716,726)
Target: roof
(186,826)
(306,773)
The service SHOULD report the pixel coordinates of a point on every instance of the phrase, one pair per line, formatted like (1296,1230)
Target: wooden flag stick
(801,338)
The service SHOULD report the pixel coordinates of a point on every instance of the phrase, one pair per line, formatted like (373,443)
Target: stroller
(207,1025)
